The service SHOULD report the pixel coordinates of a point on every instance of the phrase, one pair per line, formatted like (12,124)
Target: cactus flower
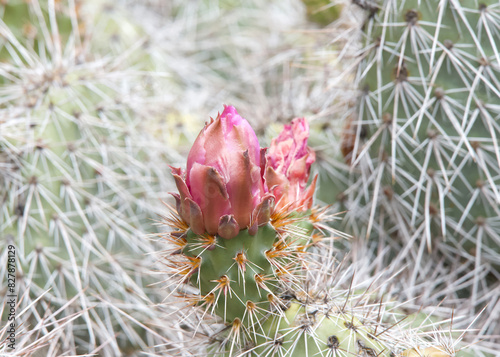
(222,189)
(288,166)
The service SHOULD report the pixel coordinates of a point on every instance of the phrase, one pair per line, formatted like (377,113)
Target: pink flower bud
(288,166)
(223,182)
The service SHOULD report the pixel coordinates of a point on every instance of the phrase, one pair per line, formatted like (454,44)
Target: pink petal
(277,183)
(195,217)
(197,152)
(288,165)
(245,139)
(253,228)
(307,199)
(263,163)
(262,212)
(182,206)
(298,170)
(181,186)
(244,186)
(178,204)
(209,191)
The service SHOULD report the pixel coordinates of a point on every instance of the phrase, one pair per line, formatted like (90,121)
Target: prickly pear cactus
(79,180)
(254,282)
(244,245)
(227,270)
(423,147)
(232,246)
(305,330)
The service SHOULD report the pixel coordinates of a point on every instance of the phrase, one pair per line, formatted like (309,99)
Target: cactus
(37,340)
(311,333)
(251,282)
(235,248)
(244,235)
(228,239)
(422,148)
(100,63)
(79,181)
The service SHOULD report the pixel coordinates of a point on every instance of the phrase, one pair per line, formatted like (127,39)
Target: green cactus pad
(305,331)
(225,259)
(422,163)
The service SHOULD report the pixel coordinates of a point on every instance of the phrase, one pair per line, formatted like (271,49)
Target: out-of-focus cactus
(306,330)
(79,180)
(422,147)
(427,115)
